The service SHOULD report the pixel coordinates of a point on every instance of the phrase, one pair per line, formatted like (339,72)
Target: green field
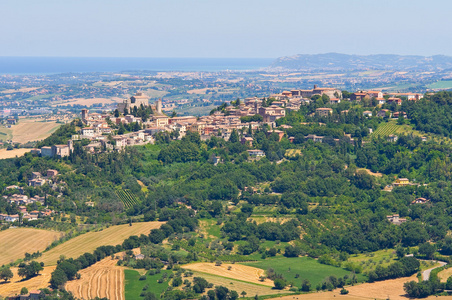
(443,84)
(305,267)
(5,134)
(134,286)
(370,261)
(210,228)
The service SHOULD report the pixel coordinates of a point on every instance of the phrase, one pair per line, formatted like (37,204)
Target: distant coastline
(57,65)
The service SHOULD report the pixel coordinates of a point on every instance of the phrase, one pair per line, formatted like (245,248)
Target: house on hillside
(335,101)
(420,201)
(314,138)
(395,219)
(324,111)
(256,153)
(392,138)
(401,182)
(367,113)
(247,140)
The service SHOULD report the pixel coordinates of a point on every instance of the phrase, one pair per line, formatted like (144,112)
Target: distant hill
(337,61)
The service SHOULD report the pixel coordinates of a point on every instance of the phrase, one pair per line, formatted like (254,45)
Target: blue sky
(227,28)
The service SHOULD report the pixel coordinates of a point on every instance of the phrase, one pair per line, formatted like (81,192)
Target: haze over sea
(56,65)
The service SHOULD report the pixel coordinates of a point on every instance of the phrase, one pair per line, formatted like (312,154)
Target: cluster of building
(23,199)
(25,215)
(220,123)
(397,220)
(379,97)
(37,179)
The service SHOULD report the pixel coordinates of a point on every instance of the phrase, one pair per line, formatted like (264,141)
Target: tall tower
(85,114)
(159,106)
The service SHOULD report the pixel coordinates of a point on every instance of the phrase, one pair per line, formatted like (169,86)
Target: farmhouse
(382,113)
(324,111)
(314,138)
(11,121)
(335,100)
(367,113)
(393,138)
(256,153)
(420,201)
(246,140)
(395,219)
(401,182)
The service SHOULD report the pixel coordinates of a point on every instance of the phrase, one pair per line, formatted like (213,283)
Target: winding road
(426,273)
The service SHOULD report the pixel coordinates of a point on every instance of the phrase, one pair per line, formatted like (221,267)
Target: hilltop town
(103,129)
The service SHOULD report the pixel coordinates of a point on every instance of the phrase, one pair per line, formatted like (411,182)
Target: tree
(30,270)
(24,291)
(58,278)
(221,292)
(243,293)
(449,283)
(199,285)
(292,251)
(427,249)
(306,286)
(279,283)
(234,138)
(400,251)
(233,295)
(6,274)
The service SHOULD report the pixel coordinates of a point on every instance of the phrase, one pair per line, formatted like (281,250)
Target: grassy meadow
(134,286)
(303,268)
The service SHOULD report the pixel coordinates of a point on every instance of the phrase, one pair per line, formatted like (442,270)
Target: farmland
(298,269)
(234,271)
(88,242)
(14,286)
(127,198)
(31,130)
(134,286)
(4,154)
(443,84)
(251,289)
(391,127)
(103,279)
(371,260)
(15,242)
(88,102)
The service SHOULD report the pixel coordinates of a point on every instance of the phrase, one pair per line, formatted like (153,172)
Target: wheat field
(88,242)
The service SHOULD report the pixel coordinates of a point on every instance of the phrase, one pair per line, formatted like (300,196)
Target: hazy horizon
(229,29)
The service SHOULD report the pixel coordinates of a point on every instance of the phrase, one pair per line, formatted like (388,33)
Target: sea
(57,65)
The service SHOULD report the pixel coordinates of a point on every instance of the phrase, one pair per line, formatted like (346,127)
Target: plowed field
(103,279)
